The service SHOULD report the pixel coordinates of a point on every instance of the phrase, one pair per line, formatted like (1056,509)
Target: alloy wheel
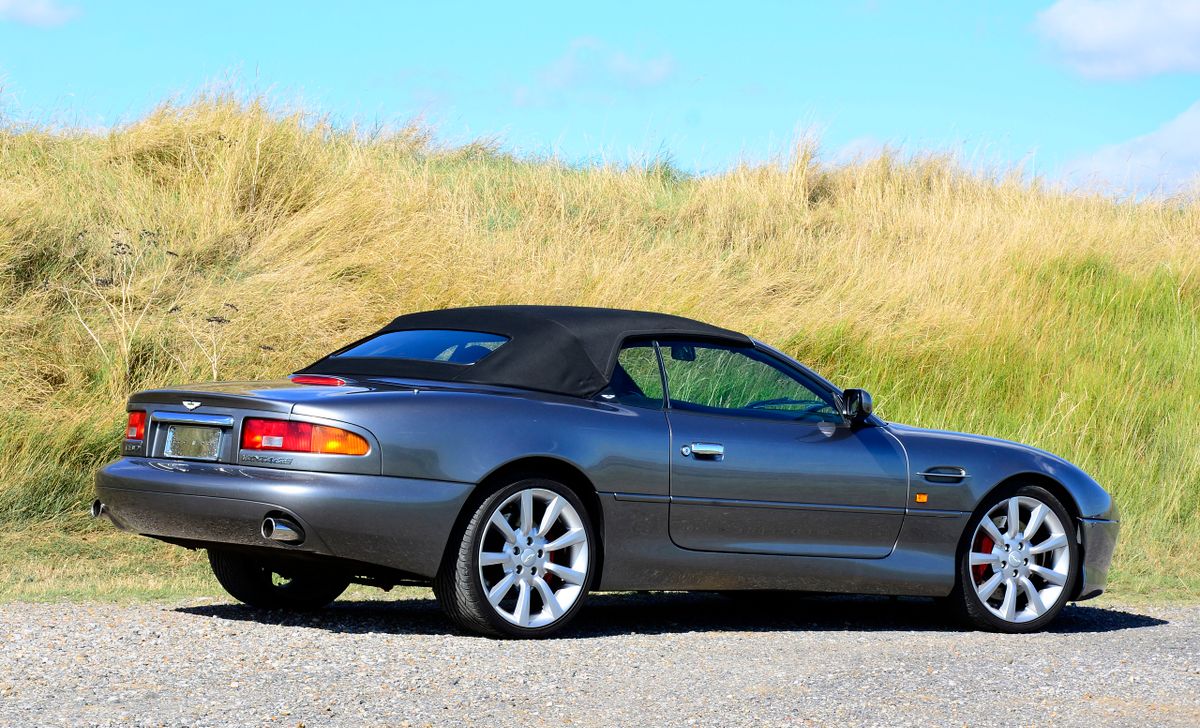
(533,558)
(1020,559)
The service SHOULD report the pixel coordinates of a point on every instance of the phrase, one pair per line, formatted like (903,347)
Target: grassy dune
(221,241)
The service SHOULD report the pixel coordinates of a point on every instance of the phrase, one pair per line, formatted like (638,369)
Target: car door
(763,462)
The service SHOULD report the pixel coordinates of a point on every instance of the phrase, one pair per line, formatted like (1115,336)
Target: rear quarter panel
(464,435)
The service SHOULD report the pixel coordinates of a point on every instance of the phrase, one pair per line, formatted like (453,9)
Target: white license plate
(188,441)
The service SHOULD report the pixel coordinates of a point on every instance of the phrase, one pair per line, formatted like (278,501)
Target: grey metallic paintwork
(436,440)
(635,558)
(1098,537)
(440,431)
(462,435)
(988,462)
(376,519)
(789,488)
(154,444)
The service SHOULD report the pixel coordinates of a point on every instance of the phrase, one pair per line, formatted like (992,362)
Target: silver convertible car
(518,457)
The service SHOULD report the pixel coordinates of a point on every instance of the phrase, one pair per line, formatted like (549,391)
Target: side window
(636,380)
(740,380)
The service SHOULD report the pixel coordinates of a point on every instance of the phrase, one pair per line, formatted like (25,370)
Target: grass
(225,240)
(97,563)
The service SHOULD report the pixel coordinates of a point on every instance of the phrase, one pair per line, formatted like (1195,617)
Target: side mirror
(683,352)
(857,405)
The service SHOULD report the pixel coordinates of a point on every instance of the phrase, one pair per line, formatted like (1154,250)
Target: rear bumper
(1098,538)
(400,523)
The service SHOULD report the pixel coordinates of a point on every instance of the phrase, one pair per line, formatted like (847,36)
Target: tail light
(287,436)
(135,429)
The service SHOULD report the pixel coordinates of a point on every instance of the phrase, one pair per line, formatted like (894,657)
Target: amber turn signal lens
(334,440)
(922,498)
(288,436)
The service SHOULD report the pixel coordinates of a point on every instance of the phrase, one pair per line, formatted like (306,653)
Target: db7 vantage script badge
(266,459)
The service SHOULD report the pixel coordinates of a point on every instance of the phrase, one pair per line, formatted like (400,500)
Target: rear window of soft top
(452,347)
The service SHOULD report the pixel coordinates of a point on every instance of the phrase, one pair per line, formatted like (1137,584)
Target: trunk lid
(269,396)
(204,422)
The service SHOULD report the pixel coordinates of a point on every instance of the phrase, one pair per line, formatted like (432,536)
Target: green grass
(94,562)
(225,240)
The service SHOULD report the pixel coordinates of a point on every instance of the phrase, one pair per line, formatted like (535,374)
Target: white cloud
(1165,161)
(44,13)
(1121,39)
(590,69)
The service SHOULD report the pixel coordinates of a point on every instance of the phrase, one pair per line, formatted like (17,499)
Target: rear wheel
(253,581)
(1021,563)
(522,565)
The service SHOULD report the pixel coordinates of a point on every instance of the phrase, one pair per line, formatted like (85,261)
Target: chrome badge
(191,404)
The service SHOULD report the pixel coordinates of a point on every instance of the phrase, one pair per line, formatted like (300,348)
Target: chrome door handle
(713,450)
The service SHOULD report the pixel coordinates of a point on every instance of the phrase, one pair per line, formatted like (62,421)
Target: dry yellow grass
(219,240)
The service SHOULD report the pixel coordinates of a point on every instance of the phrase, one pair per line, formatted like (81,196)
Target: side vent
(944,474)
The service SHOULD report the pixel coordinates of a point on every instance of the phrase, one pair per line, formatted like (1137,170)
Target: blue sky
(1078,90)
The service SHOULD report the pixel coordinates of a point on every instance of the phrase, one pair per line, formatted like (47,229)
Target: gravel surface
(661,660)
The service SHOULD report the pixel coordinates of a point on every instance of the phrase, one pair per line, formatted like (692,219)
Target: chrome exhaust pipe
(98,509)
(282,530)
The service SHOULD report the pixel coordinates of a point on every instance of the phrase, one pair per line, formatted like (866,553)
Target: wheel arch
(1051,484)
(1012,482)
(537,466)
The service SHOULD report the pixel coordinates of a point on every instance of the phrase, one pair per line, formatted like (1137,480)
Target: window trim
(799,373)
(662,376)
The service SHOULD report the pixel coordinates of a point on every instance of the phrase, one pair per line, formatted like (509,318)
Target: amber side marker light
(288,436)
(922,498)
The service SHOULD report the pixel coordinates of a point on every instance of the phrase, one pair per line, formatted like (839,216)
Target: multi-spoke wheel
(1019,567)
(522,567)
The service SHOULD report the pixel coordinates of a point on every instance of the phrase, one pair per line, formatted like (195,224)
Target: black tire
(966,602)
(251,580)
(457,585)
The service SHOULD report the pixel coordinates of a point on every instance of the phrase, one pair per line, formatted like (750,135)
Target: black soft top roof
(563,349)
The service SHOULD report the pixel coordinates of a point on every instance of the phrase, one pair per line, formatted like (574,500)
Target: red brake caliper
(552,558)
(984,547)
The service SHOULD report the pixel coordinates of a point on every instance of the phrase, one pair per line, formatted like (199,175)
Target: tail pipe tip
(279,529)
(98,509)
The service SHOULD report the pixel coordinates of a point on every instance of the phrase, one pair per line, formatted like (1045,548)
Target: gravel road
(660,660)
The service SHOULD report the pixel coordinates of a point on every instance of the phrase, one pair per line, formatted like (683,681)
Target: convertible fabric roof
(562,349)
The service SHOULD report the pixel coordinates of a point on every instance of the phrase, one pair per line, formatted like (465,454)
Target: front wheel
(254,582)
(1020,565)
(522,565)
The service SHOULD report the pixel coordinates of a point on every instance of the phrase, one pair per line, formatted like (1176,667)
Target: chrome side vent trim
(944,474)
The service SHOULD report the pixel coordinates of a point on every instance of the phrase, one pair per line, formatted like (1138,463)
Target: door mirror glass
(857,404)
(683,352)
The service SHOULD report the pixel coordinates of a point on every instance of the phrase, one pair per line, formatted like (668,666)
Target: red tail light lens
(135,429)
(318,379)
(286,436)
